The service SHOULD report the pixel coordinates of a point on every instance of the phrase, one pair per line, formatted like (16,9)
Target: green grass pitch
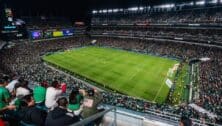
(131,73)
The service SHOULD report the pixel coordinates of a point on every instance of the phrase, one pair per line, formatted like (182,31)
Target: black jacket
(60,117)
(33,115)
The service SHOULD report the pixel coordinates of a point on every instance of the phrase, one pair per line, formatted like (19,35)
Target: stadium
(111,63)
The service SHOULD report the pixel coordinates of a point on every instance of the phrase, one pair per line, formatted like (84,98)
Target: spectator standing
(12,84)
(91,109)
(23,89)
(75,102)
(4,95)
(52,94)
(6,110)
(39,94)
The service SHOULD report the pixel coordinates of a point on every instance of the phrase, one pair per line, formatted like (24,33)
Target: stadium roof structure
(128,3)
(75,7)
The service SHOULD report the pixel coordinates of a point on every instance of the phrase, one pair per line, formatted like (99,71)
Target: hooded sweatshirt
(33,115)
(60,117)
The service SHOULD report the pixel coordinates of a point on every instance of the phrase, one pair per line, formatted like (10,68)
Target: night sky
(74,9)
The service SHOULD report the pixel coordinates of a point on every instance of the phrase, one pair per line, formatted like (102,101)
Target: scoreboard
(8,28)
(50,33)
(8,25)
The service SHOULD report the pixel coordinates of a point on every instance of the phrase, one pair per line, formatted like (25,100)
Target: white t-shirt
(11,85)
(22,91)
(51,97)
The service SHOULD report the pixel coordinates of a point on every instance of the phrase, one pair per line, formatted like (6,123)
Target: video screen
(36,34)
(68,32)
(58,34)
(48,34)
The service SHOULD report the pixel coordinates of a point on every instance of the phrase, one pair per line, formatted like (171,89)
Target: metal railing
(97,116)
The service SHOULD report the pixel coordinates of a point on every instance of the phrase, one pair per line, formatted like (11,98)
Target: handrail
(164,116)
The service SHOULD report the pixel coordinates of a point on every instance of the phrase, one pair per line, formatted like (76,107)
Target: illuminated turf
(131,73)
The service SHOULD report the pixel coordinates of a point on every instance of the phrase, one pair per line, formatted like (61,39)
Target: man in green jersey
(4,95)
(39,94)
(6,111)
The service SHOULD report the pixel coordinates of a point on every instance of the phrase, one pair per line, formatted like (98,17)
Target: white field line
(136,71)
(160,88)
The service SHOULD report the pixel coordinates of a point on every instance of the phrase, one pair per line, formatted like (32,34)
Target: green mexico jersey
(4,94)
(39,94)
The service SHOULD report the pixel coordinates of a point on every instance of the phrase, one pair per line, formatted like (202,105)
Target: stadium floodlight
(191,3)
(187,4)
(133,9)
(147,8)
(166,6)
(213,1)
(121,10)
(220,1)
(200,2)
(94,11)
(104,11)
(110,11)
(141,8)
(115,10)
(100,11)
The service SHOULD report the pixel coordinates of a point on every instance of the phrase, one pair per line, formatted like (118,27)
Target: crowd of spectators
(205,15)
(210,85)
(210,71)
(200,36)
(24,60)
(44,104)
(22,97)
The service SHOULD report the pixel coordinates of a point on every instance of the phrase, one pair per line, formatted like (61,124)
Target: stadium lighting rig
(200,2)
(133,9)
(170,5)
(141,8)
(165,6)
(191,3)
(94,12)
(115,10)
(214,1)
(105,11)
(110,11)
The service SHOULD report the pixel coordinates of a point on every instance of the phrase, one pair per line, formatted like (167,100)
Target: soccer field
(131,73)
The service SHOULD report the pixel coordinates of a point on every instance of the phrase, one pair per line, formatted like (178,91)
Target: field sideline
(134,74)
